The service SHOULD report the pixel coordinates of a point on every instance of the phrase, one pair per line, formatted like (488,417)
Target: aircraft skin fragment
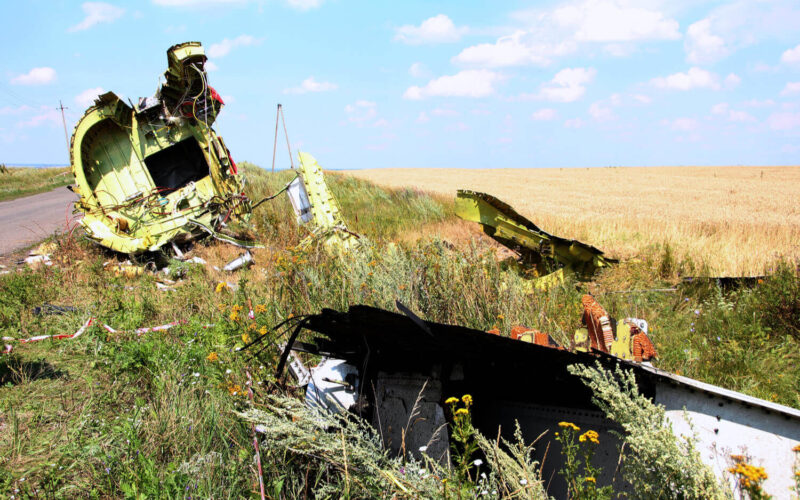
(149,173)
(551,257)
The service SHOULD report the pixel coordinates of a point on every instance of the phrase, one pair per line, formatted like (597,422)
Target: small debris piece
(47,309)
(239,262)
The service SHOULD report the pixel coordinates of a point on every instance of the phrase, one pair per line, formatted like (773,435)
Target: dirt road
(25,221)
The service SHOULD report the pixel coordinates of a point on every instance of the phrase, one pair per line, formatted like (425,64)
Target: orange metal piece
(598,324)
(643,348)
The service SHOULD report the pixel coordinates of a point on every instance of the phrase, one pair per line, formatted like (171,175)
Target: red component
(494,331)
(517,331)
(215,96)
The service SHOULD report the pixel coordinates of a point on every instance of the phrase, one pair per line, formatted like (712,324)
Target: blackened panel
(177,165)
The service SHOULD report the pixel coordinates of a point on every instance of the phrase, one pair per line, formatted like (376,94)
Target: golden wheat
(733,220)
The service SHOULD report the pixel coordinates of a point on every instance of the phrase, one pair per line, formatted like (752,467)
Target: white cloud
(457,127)
(719,109)
(210,66)
(641,98)
(544,114)
(724,110)
(740,23)
(756,103)
(682,124)
(517,49)
(304,4)
(732,81)
(467,83)
(702,46)
(437,29)
(784,120)
(418,70)
(87,97)
(556,32)
(601,112)
(96,13)
(44,115)
(36,76)
(791,56)
(423,117)
(224,47)
(740,116)
(614,21)
(445,112)
(574,123)
(567,85)
(311,85)
(791,88)
(362,112)
(695,78)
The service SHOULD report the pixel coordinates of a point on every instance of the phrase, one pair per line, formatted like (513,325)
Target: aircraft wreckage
(396,370)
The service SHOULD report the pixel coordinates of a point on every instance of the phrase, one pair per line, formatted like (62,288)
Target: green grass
(19,182)
(109,416)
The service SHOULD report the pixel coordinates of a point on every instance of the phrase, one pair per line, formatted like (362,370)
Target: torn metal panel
(550,256)
(314,203)
(156,172)
(512,380)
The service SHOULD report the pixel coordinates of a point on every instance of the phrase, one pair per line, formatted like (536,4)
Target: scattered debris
(37,261)
(396,372)
(47,309)
(314,203)
(549,257)
(239,262)
(156,172)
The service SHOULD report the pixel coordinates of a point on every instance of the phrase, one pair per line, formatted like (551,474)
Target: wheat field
(732,220)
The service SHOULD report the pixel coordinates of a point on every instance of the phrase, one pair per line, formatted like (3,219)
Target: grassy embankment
(110,415)
(19,182)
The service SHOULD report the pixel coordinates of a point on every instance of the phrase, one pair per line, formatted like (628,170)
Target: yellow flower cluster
(569,425)
(590,436)
(221,286)
(467,399)
(245,338)
(451,401)
(749,475)
(262,330)
(261,308)
(234,389)
(235,310)
(462,411)
(213,357)
(590,479)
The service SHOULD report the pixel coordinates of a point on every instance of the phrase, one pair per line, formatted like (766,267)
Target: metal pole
(275,143)
(66,135)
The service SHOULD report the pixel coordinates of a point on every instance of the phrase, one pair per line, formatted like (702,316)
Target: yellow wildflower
(462,411)
(290,316)
(213,357)
(234,316)
(590,479)
(221,286)
(245,338)
(501,317)
(237,308)
(263,330)
(221,307)
(234,389)
(591,436)
(252,326)
(260,308)
(569,425)
(467,399)
(451,401)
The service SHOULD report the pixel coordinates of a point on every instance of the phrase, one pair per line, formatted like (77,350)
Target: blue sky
(369,84)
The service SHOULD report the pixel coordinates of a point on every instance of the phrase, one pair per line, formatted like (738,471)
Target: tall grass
(17,181)
(121,415)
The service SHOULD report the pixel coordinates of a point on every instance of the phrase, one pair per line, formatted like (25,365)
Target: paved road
(25,221)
